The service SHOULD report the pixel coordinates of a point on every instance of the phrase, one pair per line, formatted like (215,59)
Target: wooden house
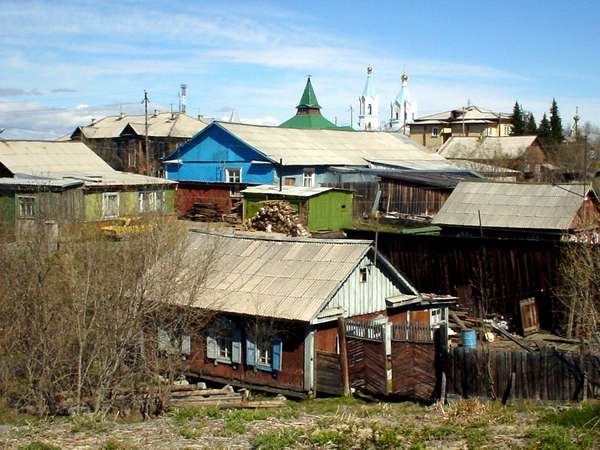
(319,208)
(521,210)
(68,183)
(277,303)
(231,156)
(522,153)
(121,140)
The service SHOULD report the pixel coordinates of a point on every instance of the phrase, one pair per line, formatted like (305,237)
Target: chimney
(182,98)
(121,115)
(93,121)
(156,111)
(200,116)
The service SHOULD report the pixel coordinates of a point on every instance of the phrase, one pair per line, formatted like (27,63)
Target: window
(223,343)
(506,129)
(289,181)
(362,274)
(233,175)
(308,178)
(172,345)
(26,206)
(110,205)
(435,132)
(435,316)
(132,155)
(263,352)
(370,109)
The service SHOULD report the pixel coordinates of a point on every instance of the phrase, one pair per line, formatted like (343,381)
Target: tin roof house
(277,303)
(68,183)
(521,210)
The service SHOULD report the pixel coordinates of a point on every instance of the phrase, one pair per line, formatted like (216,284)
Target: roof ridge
(283,239)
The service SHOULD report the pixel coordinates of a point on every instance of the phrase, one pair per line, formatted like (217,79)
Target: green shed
(319,208)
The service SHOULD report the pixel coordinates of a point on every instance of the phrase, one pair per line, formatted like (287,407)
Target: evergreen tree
(556,124)
(545,131)
(531,125)
(518,124)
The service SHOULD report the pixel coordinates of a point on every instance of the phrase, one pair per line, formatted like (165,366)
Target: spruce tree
(556,124)
(518,124)
(545,131)
(531,125)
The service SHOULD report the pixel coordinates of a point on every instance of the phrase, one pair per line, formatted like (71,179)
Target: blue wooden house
(226,157)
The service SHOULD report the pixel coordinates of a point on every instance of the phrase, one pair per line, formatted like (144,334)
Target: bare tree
(81,322)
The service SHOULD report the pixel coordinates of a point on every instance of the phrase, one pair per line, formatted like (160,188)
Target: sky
(63,63)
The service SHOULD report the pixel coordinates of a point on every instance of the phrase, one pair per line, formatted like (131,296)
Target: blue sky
(63,63)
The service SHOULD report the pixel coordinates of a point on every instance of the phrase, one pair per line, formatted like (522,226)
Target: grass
(113,444)
(277,440)
(89,422)
(11,416)
(555,437)
(39,446)
(586,416)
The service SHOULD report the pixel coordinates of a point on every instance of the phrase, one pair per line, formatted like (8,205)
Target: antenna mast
(147,150)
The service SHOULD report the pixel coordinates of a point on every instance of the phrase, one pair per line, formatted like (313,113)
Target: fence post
(387,340)
(584,377)
(344,356)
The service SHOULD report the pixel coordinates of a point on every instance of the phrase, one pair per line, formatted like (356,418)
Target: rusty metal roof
(285,278)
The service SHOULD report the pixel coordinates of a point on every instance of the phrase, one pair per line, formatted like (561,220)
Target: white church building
(403,109)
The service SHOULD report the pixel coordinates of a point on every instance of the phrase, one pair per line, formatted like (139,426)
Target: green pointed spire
(309,99)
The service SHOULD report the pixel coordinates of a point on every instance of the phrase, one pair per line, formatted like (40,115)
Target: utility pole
(351,116)
(147,150)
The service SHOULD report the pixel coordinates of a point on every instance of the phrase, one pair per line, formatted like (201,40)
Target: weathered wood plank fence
(542,375)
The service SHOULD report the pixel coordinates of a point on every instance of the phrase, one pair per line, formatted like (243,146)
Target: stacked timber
(278,216)
(204,212)
(185,396)
(235,214)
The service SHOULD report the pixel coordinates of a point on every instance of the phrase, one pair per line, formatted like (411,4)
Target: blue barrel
(469,338)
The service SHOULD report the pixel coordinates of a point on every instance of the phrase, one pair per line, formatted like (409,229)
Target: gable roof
(308,99)
(159,125)
(512,205)
(65,160)
(489,147)
(309,147)
(468,114)
(287,278)
(289,191)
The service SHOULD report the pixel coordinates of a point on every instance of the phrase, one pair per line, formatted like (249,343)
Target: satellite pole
(145,102)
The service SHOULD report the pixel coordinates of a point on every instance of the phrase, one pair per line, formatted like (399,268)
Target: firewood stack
(204,212)
(278,216)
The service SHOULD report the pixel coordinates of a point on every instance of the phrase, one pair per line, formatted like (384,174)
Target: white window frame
(363,275)
(506,129)
(26,206)
(264,352)
(106,214)
(229,175)
(435,132)
(309,178)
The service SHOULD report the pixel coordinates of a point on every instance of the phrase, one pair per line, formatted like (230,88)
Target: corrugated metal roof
(284,278)
(66,160)
(159,125)
(287,191)
(491,147)
(512,205)
(472,113)
(306,147)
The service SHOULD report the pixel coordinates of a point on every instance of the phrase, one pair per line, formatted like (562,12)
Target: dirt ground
(326,423)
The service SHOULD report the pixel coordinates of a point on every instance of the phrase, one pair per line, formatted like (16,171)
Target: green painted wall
(330,211)
(128,204)
(7,213)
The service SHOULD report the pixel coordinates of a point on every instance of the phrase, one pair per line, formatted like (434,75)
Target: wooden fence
(544,375)
(329,373)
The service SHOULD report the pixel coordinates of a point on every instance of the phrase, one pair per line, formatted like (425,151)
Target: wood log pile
(278,216)
(204,212)
(193,395)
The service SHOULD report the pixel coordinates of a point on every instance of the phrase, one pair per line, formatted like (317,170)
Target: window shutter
(277,353)
(236,347)
(164,341)
(211,346)
(186,344)
(250,352)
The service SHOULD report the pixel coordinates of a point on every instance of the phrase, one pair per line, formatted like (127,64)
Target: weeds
(39,446)
(113,444)
(555,437)
(277,440)
(89,422)
(587,416)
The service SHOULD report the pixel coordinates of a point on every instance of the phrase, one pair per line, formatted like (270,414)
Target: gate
(414,368)
(398,359)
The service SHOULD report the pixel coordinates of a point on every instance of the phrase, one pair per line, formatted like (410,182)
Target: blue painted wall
(206,156)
